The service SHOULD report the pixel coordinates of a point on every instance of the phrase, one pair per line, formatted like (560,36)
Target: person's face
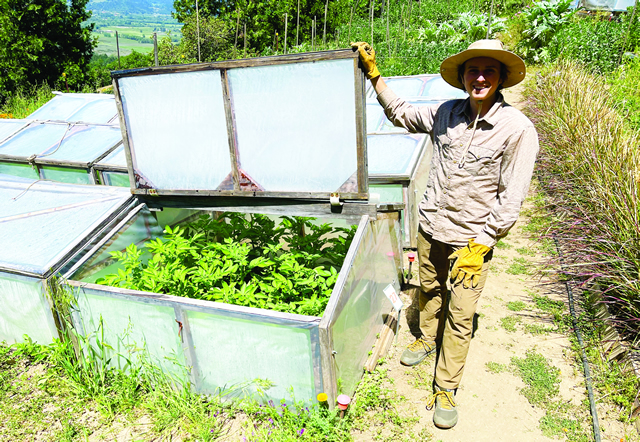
(481,78)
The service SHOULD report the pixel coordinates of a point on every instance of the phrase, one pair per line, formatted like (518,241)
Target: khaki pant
(454,324)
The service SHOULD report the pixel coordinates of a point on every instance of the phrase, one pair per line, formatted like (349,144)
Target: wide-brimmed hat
(484,48)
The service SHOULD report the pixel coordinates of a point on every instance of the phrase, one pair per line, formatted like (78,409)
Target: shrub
(595,43)
(543,20)
(624,90)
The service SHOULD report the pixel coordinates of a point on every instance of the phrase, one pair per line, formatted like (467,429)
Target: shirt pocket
(478,157)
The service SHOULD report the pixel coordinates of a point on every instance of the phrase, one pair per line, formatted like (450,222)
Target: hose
(585,362)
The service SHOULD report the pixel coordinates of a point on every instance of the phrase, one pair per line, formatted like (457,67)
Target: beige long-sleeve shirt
(479,196)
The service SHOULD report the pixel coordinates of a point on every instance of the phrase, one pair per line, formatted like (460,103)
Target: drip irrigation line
(585,362)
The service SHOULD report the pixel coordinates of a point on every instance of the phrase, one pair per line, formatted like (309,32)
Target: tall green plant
(290,267)
(544,19)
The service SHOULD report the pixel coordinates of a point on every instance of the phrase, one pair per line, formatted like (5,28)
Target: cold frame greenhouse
(238,136)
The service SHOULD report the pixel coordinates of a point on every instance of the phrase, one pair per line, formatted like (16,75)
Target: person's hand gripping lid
(367,58)
(467,265)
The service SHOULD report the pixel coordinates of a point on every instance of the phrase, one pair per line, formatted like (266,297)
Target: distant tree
(42,39)
(206,8)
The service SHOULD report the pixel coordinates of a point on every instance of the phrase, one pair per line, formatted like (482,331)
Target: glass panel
(34,139)
(24,310)
(49,219)
(9,127)
(393,154)
(60,107)
(406,87)
(177,128)
(99,111)
(375,115)
(363,306)
(389,193)
(231,352)
(438,88)
(116,179)
(143,227)
(130,326)
(18,169)
(85,143)
(288,138)
(116,158)
(66,175)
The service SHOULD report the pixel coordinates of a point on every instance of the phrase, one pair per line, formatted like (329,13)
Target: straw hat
(484,48)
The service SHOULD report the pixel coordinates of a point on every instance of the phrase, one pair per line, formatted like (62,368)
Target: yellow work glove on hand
(368,59)
(467,267)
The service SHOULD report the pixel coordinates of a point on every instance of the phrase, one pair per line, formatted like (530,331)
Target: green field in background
(107,38)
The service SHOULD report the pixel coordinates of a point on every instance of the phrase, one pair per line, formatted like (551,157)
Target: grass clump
(24,102)
(519,266)
(589,168)
(496,367)
(541,378)
(509,323)
(516,306)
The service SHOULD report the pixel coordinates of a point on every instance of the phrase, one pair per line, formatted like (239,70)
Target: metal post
(198,28)
(118,49)
(286,20)
(155,48)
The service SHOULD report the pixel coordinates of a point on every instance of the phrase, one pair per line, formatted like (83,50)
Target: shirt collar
(491,117)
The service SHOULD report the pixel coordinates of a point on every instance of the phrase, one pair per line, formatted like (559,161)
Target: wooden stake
(245,40)
(285,32)
(118,49)
(324,32)
(198,28)
(371,16)
(235,43)
(388,38)
(298,24)
(155,48)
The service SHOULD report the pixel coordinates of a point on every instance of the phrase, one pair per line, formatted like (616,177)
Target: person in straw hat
(484,152)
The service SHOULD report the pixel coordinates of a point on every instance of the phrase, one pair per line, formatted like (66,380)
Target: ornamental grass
(589,166)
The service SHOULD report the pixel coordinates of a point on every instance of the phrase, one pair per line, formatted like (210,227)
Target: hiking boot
(445,415)
(417,351)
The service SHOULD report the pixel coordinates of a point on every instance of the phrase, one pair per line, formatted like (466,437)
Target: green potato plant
(251,261)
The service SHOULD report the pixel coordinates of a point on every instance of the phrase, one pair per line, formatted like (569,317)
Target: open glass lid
(289,126)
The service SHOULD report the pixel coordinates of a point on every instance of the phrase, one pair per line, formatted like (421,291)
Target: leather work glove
(367,58)
(467,267)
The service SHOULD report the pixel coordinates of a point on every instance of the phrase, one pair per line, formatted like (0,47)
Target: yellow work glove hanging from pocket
(467,265)
(367,58)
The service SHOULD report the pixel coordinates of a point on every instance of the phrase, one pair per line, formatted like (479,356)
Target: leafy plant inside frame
(250,261)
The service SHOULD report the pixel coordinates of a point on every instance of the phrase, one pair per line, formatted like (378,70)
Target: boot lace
(444,399)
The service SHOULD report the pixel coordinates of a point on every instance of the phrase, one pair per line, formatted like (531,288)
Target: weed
(541,378)
(537,329)
(422,377)
(526,251)
(509,323)
(547,305)
(557,425)
(519,266)
(496,367)
(516,306)
(503,245)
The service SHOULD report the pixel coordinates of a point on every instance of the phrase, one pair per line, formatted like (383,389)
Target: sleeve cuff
(386,97)
(486,240)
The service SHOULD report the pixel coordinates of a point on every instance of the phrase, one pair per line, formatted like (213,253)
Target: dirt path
(509,325)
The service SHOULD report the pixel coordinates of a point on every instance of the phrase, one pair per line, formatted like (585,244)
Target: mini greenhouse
(243,136)
(43,226)
(399,162)
(62,140)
